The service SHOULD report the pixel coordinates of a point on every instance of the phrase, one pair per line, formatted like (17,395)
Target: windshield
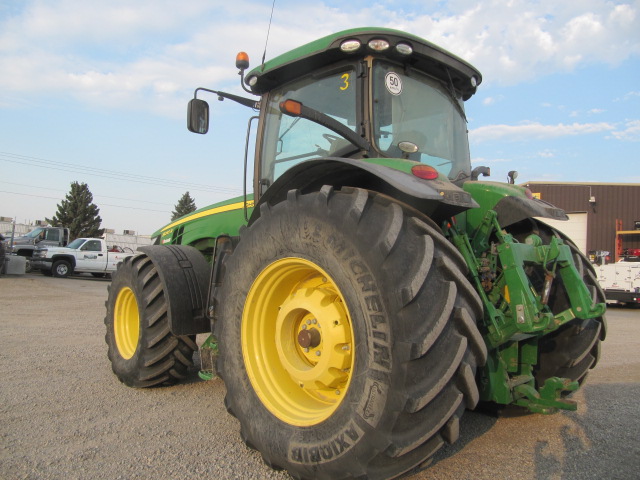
(34,233)
(76,243)
(291,140)
(411,107)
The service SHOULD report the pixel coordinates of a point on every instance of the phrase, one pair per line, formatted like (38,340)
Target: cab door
(91,257)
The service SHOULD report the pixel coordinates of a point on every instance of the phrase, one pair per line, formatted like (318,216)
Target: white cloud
(630,133)
(628,96)
(492,100)
(546,154)
(536,131)
(125,53)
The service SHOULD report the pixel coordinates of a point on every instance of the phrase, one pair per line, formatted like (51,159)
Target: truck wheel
(61,268)
(348,340)
(573,349)
(27,265)
(142,350)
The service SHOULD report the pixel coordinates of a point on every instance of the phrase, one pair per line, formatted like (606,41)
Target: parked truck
(83,255)
(26,245)
(621,281)
(370,288)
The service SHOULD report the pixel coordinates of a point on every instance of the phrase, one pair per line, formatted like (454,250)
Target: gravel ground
(64,415)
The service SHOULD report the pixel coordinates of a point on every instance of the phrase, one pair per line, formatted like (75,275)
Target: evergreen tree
(78,213)
(185,205)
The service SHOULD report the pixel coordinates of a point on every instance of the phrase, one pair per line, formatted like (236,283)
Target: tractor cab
(367,93)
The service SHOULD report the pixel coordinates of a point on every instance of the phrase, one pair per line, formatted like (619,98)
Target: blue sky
(96,92)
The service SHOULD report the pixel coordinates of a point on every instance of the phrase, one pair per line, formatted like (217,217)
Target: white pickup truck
(83,255)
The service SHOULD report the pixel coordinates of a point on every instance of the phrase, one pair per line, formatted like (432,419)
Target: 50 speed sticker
(393,83)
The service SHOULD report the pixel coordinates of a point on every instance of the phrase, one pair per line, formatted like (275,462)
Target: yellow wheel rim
(297,341)
(126,323)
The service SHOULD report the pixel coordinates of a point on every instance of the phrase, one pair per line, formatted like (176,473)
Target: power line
(102,204)
(94,195)
(114,175)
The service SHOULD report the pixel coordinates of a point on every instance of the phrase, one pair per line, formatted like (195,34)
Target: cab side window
(92,246)
(53,235)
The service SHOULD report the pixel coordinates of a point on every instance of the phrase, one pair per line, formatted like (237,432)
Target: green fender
(439,198)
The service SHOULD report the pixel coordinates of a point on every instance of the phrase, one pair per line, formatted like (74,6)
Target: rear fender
(439,198)
(184,273)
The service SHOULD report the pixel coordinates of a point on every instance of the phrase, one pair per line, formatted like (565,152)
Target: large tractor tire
(574,349)
(142,350)
(348,339)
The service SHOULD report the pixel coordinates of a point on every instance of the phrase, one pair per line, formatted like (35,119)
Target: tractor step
(208,359)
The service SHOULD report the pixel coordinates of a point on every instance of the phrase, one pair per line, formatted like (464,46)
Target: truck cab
(25,245)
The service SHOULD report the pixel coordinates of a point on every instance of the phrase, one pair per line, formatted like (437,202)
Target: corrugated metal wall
(612,201)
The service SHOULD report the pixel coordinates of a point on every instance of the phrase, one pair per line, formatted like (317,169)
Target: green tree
(185,205)
(78,213)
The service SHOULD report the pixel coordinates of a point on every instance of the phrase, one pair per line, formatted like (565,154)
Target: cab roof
(426,57)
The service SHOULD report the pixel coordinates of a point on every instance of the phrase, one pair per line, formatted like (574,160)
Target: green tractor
(371,289)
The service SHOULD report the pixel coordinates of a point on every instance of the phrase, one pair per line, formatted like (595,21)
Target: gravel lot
(64,415)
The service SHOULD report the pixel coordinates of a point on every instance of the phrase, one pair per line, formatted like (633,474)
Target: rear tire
(142,350)
(395,322)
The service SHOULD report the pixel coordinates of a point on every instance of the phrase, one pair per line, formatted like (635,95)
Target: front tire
(574,349)
(142,350)
(382,380)
(61,269)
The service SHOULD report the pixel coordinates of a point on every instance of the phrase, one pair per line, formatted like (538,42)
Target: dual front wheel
(142,350)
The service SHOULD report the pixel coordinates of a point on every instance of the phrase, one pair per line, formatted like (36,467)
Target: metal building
(603,216)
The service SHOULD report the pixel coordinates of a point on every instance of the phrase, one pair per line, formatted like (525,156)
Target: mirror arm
(247,102)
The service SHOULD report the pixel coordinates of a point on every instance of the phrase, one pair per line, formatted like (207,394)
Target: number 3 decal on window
(345,79)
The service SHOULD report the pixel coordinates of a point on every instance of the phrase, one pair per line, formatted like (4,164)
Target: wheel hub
(309,338)
(318,364)
(297,341)
(126,323)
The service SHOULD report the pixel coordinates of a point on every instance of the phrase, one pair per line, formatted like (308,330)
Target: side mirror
(198,116)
